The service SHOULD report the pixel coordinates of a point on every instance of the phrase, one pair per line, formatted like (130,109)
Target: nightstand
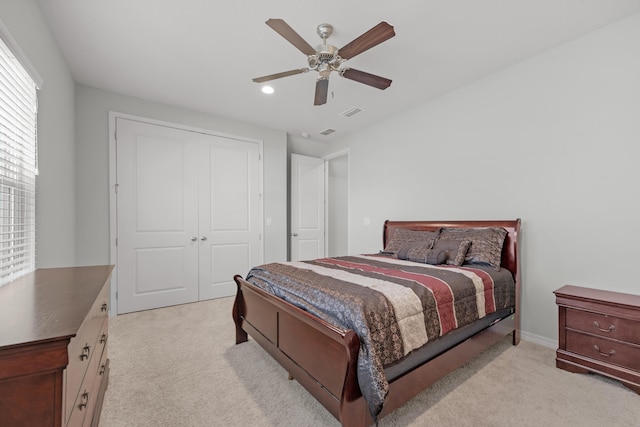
(599,331)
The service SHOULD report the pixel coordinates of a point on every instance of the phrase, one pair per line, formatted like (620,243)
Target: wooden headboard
(510,258)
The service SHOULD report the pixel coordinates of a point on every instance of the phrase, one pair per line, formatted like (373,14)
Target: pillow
(402,236)
(455,250)
(486,243)
(449,252)
(416,252)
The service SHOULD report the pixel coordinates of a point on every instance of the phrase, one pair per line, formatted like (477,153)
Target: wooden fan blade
(366,78)
(322,89)
(381,32)
(282,28)
(280,75)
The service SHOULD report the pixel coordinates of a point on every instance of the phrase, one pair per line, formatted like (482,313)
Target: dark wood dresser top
(598,295)
(48,304)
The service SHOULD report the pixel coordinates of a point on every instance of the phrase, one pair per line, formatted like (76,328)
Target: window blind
(18,167)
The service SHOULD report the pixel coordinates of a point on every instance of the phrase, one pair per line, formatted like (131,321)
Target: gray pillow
(454,251)
(486,243)
(449,252)
(416,252)
(403,236)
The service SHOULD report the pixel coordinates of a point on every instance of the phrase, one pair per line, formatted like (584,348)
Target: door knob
(294,234)
(203,238)
(194,238)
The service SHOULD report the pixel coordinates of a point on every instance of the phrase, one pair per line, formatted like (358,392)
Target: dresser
(53,347)
(599,331)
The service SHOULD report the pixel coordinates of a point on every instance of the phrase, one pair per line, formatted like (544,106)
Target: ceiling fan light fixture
(324,69)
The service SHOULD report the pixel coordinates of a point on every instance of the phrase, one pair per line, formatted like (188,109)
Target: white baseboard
(537,339)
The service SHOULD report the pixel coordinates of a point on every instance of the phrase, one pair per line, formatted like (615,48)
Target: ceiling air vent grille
(351,112)
(327,132)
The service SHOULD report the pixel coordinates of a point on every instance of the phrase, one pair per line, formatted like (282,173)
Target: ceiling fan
(326,58)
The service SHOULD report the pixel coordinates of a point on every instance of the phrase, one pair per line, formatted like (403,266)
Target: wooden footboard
(323,358)
(320,356)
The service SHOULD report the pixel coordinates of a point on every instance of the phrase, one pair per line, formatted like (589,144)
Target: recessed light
(267,89)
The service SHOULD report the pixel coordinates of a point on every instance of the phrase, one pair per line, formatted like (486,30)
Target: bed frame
(323,358)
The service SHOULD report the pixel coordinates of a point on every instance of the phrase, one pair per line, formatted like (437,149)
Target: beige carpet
(178,366)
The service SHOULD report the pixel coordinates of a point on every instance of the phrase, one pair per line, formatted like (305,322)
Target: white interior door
(157,198)
(307,208)
(189,214)
(230,214)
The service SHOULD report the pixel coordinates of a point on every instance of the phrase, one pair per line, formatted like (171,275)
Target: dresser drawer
(81,351)
(614,352)
(603,325)
(101,348)
(76,418)
(85,400)
(84,349)
(99,386)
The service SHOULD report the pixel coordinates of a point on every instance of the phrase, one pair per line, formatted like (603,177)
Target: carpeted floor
(178,366)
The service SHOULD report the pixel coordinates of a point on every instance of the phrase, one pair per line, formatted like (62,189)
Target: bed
(336,363)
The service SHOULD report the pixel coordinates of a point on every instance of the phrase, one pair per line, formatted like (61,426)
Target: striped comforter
(394,306)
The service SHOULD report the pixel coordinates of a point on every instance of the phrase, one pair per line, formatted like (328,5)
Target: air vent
(327,132)
(351,112)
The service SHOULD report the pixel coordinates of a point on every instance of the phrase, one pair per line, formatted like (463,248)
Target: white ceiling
(202,54)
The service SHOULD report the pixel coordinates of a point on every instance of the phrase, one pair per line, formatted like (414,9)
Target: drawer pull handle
(611,353)
(610,329)
(84,401)
(104,307)
(85,352)
(102,369)
(103,338)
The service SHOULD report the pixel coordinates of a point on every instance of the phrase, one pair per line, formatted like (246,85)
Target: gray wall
(55,186)
(554,140)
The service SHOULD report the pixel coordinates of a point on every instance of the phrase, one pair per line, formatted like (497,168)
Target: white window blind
(18,167)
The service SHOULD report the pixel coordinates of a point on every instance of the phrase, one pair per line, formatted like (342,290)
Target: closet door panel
(230,214)
(157,216)
(230,189)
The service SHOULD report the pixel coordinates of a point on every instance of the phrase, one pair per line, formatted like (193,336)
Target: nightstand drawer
(606,326)
(613,352)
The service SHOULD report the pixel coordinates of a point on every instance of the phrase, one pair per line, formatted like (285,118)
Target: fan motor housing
(326,52)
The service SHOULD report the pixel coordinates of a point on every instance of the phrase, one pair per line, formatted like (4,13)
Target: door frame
(328,199)
(113,208)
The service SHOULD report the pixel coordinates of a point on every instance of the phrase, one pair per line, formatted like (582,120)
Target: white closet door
(157,216)
(189,214)
(230,213)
